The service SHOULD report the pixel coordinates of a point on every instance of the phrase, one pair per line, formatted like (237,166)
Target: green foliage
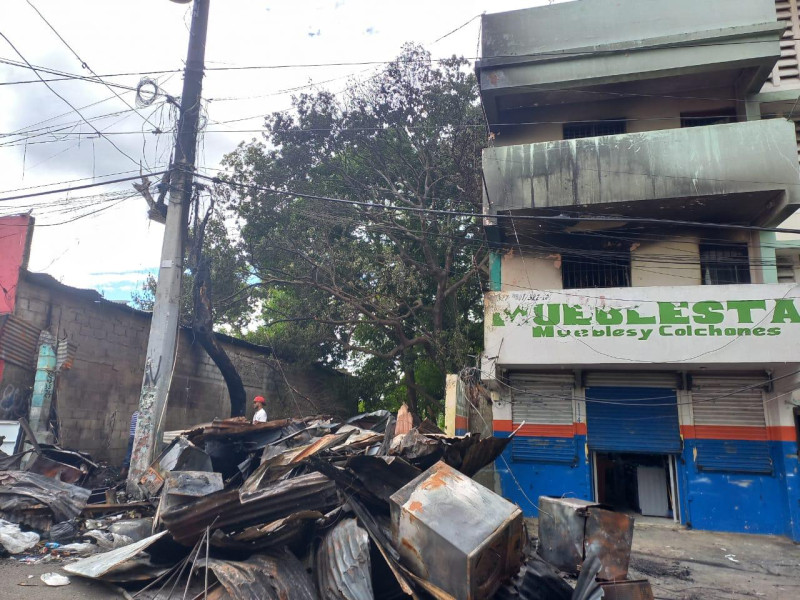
(394,293)
(229,276)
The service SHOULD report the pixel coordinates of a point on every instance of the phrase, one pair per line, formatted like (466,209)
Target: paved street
(680,564)
(16,584)
(686,564)
(693,565)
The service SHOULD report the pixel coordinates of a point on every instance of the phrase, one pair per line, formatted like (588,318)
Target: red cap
(259,400)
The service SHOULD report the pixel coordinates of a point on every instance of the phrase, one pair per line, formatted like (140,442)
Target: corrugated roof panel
(18,341)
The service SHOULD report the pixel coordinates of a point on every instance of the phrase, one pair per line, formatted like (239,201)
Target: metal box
(572,530)
(457,534)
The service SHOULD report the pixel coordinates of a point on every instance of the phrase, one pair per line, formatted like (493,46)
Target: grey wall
(97,396)
(756,158)
(598,22)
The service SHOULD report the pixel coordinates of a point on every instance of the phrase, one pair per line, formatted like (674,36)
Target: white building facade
(638,337)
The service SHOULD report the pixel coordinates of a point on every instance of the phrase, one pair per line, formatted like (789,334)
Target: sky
(101,237)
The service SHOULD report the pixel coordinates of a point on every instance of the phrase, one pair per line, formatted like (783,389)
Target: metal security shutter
(632,420)
(733,408)
(542,399)
(658,379)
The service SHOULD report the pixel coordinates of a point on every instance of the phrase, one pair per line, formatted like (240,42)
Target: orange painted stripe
(783,433)
(735,432)
(462,422)
(540,430)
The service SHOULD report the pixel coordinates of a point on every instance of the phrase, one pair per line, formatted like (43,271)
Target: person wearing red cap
(260,415)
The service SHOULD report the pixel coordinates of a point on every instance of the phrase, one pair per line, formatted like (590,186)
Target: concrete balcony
(743,173)
(671,327)
(540,56)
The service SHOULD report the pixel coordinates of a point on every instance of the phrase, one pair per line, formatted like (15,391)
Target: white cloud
(116,37)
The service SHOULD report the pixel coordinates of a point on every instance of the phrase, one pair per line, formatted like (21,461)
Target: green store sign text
(708,318)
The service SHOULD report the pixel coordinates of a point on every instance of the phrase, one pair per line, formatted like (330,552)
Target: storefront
(704,434)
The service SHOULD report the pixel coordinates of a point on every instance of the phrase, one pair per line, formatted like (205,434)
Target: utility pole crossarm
(163,341)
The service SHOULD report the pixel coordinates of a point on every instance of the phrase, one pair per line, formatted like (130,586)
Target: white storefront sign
(693,324)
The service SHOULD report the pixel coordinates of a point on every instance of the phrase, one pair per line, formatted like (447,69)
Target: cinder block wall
(96,397)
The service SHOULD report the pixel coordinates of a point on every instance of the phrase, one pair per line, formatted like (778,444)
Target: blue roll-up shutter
(542,399)
(633,420)
(544,449)
(732,404)
(733,456)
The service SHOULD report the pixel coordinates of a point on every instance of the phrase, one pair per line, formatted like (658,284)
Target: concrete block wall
(96,397)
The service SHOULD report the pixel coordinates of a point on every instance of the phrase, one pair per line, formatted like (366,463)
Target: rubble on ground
(310,508)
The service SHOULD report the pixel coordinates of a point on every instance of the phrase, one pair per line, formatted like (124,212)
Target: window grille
(593,272)
(724,265)
(586,129)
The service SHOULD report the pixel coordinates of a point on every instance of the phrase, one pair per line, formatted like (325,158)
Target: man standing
(260,415)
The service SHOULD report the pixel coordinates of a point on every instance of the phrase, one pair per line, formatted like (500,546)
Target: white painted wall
(609,326)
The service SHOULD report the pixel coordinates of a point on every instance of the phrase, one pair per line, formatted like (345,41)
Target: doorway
(636,483)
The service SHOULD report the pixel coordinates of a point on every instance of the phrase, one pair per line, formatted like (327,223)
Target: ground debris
(378,506)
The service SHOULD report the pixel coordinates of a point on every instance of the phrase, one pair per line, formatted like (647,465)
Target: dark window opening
(797,428)
(586,129)
(724,265)
(595,272)
(714,117)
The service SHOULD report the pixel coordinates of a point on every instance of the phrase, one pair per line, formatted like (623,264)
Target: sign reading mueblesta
(693,323)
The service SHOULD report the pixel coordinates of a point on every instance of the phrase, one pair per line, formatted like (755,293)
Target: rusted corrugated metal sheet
(343,563)
(293,532)
(18,341)
(481,453)
(627,590)
(571,530)
(272,468)
(99,565)
(536,580)
(20,491)
(609,536)
(187,522)
(278,576)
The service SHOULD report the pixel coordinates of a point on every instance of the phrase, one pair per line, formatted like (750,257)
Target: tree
(393,284)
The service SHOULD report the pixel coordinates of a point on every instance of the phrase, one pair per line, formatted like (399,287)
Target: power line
(79,187)
(133,160)
(61,75)
(531,55)
(33,187)
(543,218)
(84,64)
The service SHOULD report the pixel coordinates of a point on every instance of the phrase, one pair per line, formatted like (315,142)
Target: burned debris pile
(297,508)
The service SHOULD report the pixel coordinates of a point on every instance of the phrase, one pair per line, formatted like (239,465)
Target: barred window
(723,265)
(595,272)
(583,129)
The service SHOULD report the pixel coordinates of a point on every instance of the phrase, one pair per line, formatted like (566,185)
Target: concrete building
(638,336)
(83,355)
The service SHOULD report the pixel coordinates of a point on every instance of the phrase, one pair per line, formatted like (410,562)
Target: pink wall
(15,233)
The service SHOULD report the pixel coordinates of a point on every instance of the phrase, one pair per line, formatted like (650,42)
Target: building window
(722,265)
(714,117)
(584,129)
(595,272)
(786,264)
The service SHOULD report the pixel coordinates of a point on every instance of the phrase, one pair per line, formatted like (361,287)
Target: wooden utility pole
(163,342)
